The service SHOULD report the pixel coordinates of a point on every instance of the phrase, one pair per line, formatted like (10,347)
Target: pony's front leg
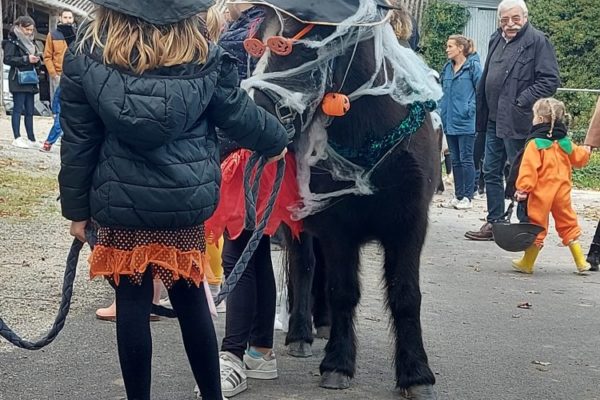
(413,375)
(320,310)
(339,364)
(301,272)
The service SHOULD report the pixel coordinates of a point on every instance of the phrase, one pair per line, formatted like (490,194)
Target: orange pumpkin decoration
(335,104)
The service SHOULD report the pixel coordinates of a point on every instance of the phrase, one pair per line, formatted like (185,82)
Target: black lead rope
(251,185)
(251,188)
(63,311)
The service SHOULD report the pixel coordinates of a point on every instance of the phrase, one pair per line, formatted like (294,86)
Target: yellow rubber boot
(527,262)
(578,256)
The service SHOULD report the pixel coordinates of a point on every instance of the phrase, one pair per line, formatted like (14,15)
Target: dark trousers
(23,105)
(478,153)
(497,152)
(463,168)
(251,305)
(134,341)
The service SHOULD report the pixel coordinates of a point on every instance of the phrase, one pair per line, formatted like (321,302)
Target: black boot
(593,256)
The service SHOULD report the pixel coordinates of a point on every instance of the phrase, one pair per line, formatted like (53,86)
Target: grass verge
(588,177)
(22,193)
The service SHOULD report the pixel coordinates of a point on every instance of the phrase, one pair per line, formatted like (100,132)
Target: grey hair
(508,4)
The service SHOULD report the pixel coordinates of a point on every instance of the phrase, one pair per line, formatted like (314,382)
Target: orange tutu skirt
(231,210)
(170,254)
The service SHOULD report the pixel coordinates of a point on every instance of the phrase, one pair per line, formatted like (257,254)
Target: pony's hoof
(334,380)
(300,349)
(420,392)
(323,332)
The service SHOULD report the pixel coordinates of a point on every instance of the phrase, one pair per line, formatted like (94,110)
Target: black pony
(396,215)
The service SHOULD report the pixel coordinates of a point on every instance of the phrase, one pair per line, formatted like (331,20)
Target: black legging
(134,340)
(251,305)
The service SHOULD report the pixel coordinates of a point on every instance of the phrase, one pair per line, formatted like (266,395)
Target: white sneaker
(233,378)
(464,204)
(261,368)
(479,196)
(451,204)
(199,395)
(34,145)
(166,302)
(21,143)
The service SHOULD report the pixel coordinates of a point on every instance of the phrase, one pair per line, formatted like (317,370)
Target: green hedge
(440,20)
(574,29)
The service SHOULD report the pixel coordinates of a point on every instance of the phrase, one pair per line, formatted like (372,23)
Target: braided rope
(65,303)
(252,244)
(251,185)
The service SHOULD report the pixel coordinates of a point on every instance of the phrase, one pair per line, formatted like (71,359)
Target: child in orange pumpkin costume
(545,181)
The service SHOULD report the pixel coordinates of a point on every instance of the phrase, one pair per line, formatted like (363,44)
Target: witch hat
(158,12)
(318,12)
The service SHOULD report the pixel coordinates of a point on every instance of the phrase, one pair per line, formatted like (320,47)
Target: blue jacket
(458,103)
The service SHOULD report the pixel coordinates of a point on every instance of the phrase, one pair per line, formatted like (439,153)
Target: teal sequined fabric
(375,148)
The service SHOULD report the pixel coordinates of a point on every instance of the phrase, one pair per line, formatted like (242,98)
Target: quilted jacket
(140,151)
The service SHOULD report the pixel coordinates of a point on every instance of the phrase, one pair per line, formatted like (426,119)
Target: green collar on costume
(564,143)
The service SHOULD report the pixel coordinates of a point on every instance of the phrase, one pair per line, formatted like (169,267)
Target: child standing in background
(545,181)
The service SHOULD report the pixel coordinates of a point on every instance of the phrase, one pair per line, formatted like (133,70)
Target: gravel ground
(33,251)
(480,344)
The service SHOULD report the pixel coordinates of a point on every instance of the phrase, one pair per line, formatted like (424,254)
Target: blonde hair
(215,20)
(467,44)
(552,111)
(140,46)
(401,21)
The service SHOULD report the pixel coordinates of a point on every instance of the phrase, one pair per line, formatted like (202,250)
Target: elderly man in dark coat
(521,68)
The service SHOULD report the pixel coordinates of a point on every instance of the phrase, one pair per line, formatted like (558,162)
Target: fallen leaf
(516,316)
(532,292)
(525,305)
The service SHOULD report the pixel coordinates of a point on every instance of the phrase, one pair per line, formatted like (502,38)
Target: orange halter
(334,104)
(279,45)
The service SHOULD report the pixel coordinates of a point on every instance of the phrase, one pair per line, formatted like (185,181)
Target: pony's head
(309,70)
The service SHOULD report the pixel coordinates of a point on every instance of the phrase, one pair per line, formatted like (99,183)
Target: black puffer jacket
(141,151)
(17,56)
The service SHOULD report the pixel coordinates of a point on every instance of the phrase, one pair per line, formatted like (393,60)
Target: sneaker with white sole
(464,204)
(451,204)
(35,145)
(479,196)
(21,143)
(199,395)
(233,377)
(262,368)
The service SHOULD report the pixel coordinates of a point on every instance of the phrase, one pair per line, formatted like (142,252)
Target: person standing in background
(57,43)
(460,77)
(520,69)
(21,54)
(592,141)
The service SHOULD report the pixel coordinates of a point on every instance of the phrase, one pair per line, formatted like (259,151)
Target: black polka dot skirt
(170,254)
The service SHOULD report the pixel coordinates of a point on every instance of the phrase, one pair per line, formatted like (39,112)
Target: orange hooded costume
(545,174)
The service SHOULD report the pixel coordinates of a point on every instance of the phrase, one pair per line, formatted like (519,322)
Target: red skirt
(231,211)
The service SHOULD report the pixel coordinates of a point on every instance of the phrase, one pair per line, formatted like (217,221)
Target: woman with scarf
(22,56)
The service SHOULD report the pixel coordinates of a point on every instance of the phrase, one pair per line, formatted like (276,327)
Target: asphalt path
(481,345)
